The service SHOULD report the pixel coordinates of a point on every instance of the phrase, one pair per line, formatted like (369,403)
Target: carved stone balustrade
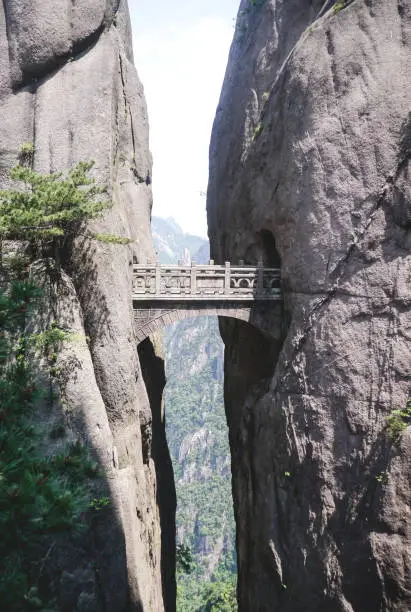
(205,283)
(164,294)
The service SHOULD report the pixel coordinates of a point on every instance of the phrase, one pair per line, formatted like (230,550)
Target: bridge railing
(205,282)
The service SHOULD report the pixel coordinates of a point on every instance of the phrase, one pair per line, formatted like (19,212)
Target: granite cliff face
(68,86)
(309,168)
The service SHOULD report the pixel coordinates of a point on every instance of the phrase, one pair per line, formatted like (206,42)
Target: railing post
(193,277)
(227,277)
(260,277)
(158,279)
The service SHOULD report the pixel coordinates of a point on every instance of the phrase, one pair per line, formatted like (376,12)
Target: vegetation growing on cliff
(40,494)
(398,421)
(338,6)
(49,206)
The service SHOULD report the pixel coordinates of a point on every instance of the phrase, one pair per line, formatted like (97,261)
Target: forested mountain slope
(197,434)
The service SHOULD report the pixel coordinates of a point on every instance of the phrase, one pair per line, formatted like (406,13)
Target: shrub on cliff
(39,495)
(398,421)
(46,207)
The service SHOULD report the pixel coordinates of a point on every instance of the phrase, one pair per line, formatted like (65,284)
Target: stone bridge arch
(165,294)
(150,320)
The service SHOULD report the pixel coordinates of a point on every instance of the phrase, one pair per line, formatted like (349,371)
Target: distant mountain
(197,433)
(202,255)
(170,240)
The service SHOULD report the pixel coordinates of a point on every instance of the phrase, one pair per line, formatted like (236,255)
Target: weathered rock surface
(68,85)
(310,168)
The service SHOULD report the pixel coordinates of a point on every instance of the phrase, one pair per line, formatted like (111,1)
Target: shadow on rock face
(155,447)
(401,185)
(264,250)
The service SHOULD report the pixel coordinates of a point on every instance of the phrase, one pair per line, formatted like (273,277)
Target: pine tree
(38,495)
(49,206)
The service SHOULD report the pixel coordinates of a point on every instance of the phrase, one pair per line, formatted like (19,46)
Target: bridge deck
(205,283)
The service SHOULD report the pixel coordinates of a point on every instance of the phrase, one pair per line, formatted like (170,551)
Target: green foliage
(38,495)
(194,403)
(26,153)
(258,130)
(52,338)
(110,239)
(338,6)
(48,206)
(219,596)
(76,463)
(398,421)
(27,148)
(218,593)
(98,503)
(198,440)
(184,559)
(15,306)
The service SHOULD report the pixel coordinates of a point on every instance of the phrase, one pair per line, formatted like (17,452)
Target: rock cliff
(309,165)
(68,86)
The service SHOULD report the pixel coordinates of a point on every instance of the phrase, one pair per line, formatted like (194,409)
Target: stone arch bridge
(164,294)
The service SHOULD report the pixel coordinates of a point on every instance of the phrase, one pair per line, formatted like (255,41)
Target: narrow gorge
(309,173)
(309,165)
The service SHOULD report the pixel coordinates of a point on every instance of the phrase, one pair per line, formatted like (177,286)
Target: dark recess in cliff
(152,367)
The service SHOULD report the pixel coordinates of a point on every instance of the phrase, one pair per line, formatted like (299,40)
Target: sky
(180,51)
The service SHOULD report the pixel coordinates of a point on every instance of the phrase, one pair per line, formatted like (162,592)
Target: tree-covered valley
(198,440)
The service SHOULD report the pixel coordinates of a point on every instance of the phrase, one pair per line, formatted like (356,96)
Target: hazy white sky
(180,50)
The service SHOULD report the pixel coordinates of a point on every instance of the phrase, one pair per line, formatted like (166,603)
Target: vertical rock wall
(68,85)
(309,168)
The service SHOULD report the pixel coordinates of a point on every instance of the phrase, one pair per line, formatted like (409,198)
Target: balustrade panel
(205,282)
